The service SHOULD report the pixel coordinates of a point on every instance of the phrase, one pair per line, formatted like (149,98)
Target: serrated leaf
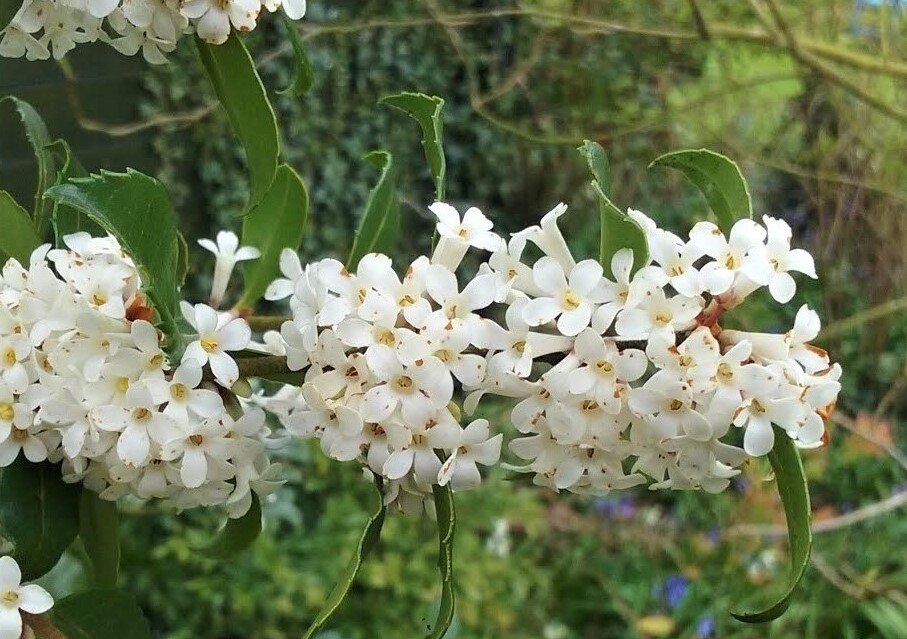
(135,209)
(238,534)
(100,614)
(182,260)
(39,138)
(276,223)
(720,180)
(243,96)
(67,220)
(426,110)
(99,529)
(378,210)
(8,11)
(304,77)
(39,514)
(18,237)
(444,506)
(618,230)
(367,543)
(794,492)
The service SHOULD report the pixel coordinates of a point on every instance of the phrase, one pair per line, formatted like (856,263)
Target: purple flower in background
(623,507)
(675,589)
(705,628)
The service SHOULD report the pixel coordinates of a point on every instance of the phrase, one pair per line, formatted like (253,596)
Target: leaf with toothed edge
(426,110)
(305,76)
(792,487)
(444,507)
(136,209)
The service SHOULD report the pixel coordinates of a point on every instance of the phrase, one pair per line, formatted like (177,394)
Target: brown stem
(42,626)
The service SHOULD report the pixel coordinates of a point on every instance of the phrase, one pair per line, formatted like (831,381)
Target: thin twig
(892,451)
(863,317)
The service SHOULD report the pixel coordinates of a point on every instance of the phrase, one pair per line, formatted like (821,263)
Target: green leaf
(8,11)
(99,528)
(444,506)
(39,514)
(135,209)
(305,75)
(367,543)
(720,180)
(100,614)
(251,115)
(426,110)
(379,210)
(788,468)
(618,230)
(39,138)
(67,220)
(276,223)
(182,260)
(238,534)
(18,238)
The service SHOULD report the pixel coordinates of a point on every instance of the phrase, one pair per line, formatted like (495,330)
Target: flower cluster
(84,379)
(45,28)
(620,380)
(14,597)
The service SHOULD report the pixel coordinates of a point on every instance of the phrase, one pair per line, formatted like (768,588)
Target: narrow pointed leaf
(444,506)
(136,210)
(305,75)
(99,528)
(39,138)
(100,614)
(367,543)
(182,260)
(18,237)
(276,223)
(251,115)
(238,534)
(792,486)
(39,514)
(67,220)
(720,180)
(379,210)
(426,110)
(618,230)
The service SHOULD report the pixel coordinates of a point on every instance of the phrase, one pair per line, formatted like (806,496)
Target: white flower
(458,235)
(548,237)
(14,597)
(759,412)
(517,346)
(628,291)
(667,405)
(806,328)
(570,300)
(184,397)
(215,17)
(676,260)
(228,253)
(474,447)
(217,334)
(771,262)
(729,254)
(292,271)
(198,443)
(604,368)
(459,306)
(419,390)
(138,422)
(657,312)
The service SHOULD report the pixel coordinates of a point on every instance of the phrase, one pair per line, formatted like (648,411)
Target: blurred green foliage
(521,92)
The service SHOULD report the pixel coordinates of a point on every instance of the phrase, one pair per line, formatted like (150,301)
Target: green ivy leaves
(381,217)
(278,221)
(791,478)
(136,210)
(618,230)
(719,179)
(39,514)
(251,115)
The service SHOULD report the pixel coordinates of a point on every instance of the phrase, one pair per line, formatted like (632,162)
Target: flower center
(757,406)
(725,372)
(178,391)
(98,299)
(10,597)
(209,344)
(156,360)
(663,318)
(6,412)
(463,232)
(122,384)
(404,383)
(731,261)
(675,404)
(775,263)
(406,300)
(589,405)
(604,366)
(386,337)
(444,355)
(676,270)
(9,356)
(360,294)
(571,300)
(19,434)
(685,360)
(196,440)
(519,346)
(141,414)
